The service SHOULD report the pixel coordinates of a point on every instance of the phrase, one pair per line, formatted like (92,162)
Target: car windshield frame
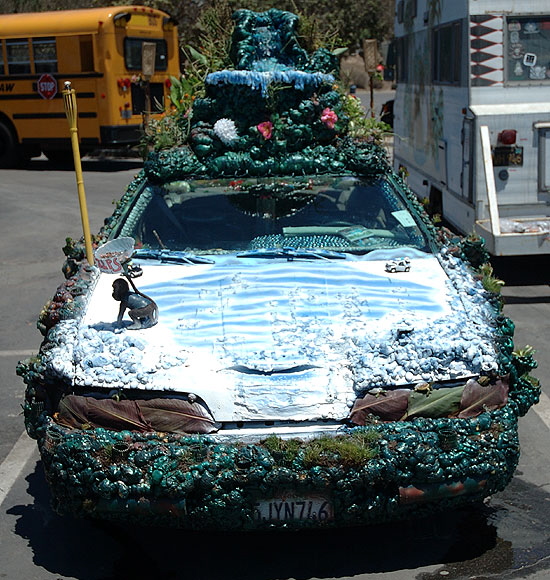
(336,213)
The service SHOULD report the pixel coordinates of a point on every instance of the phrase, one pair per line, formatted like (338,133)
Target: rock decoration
(68,300)
(277,113)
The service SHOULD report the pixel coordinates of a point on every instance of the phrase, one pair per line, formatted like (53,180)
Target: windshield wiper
(166,256)
(293,254)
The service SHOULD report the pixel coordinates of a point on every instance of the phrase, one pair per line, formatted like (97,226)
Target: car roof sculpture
(277,113)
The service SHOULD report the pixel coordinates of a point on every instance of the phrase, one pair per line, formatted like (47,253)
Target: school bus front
(118,60)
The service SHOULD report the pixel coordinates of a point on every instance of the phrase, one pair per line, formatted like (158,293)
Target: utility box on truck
(474,74)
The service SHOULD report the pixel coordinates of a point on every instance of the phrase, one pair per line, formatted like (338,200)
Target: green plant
(210,53)
(527,350)
(211,48)
(533,381)
(275,91)
(183,93)
(169,130)
(343,450)
(312,36)
(489,281)
(362,126)
(284,451)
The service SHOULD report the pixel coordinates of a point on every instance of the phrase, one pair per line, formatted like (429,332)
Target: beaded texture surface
(276,114)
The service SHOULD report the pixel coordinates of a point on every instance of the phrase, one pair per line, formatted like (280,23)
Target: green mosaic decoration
(277,113)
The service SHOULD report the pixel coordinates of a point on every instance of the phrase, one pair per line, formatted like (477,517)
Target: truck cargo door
(466,176)
(442,160)
(543,129)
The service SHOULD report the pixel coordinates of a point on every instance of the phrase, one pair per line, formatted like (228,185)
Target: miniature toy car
(399,265)
(281,378)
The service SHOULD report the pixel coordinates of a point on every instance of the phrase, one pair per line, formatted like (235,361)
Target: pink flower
(266,129)
(329,118)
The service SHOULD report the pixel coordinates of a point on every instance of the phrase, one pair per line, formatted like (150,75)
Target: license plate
(293,508)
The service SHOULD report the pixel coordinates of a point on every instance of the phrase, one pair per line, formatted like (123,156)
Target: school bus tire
(8,147)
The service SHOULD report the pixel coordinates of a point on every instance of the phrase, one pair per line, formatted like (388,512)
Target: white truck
(472,116)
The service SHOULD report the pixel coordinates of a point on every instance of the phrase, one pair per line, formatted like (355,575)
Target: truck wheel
(8,147)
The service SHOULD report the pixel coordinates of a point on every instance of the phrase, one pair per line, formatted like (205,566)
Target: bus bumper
(121,135)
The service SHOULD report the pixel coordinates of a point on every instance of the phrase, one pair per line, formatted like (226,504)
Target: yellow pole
(69,100)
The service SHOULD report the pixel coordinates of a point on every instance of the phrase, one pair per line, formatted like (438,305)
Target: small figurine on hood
(141,309)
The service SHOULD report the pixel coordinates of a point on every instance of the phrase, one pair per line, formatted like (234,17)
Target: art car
(241,356)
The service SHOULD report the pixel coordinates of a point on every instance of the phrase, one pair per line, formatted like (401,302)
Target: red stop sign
(47,86)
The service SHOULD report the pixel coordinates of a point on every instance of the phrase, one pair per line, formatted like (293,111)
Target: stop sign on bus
(47,86)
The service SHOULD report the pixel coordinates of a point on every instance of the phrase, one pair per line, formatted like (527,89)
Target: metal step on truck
(472,116)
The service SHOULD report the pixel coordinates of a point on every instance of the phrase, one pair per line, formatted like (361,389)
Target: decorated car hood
(271,339)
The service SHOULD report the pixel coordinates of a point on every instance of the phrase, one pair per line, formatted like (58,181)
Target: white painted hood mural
(271,339)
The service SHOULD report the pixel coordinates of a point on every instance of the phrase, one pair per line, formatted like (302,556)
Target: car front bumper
(202,482)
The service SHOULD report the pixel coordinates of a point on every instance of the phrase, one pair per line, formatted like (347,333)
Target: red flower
(329,118)
(236,185)
(266,129)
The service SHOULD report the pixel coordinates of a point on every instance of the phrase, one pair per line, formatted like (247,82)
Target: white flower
(226,131)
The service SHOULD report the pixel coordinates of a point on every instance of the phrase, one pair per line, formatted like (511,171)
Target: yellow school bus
(118,59)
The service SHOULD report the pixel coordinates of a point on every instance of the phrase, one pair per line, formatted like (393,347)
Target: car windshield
(342,214)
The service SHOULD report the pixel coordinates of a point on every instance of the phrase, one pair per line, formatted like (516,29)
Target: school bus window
(132,53)
(1,58)
(86,54)
(19,61)
(44,54)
